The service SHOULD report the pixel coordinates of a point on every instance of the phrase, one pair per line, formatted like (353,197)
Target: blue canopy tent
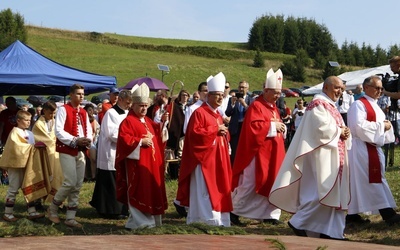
(23,71)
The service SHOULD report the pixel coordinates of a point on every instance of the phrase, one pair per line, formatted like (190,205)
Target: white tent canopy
(353,78)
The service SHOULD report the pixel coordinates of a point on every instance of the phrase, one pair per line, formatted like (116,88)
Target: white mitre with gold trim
(216,83)
(140,93)
(273,79)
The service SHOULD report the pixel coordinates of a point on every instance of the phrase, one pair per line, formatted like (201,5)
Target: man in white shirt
(73,132)
(104,194)
(343,104)
(202,88)
(370,130)
(225,101)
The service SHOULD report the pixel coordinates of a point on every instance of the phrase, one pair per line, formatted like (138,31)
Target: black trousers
(234,143)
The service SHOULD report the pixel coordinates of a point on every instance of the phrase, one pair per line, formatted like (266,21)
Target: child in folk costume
(18,159)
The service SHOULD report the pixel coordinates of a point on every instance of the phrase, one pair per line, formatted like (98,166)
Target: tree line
(313,45)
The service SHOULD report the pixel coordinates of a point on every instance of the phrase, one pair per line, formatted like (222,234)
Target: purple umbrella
(153,83)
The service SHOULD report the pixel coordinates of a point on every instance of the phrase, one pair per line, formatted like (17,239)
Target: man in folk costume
(139,163)
(73,132)
(104,195)
(43,131)
(261,150)
(313,181)
(205,176)
(370,130)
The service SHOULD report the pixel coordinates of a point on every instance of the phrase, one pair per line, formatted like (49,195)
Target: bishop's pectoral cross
(150,135)
(222,142)
(274,119)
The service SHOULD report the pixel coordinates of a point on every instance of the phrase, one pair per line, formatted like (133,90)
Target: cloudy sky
(216,20)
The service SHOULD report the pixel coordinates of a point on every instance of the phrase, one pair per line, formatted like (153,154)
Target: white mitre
(216,83)
(273,80)
(140,94)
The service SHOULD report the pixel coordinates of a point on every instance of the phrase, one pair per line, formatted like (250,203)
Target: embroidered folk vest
(71,126)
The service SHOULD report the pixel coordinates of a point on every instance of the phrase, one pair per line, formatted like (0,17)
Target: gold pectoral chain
(276,120)
(152,145)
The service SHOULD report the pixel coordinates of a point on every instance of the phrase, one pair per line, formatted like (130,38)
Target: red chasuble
(203,146)
(143,179)
(268,151)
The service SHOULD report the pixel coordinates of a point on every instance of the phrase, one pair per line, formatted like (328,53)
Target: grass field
(73,49)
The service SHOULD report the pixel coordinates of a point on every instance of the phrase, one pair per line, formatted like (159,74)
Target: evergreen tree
(368,54)
(393,51)
(319,61)
(305,34)
(295,69)
(322,40)
(357,55)
(258,60)
(346,53)
(256,35)
(12,28)
(274,34)
(292,36)
(380,56)
(330,71)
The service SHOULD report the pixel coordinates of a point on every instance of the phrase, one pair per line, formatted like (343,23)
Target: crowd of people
(230,146)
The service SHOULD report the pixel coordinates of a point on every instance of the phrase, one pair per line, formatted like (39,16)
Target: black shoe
(297,232)
(181,210)
(272,221)
(324,236)
(395,219)
(235,220)
(39,207)
(356,218)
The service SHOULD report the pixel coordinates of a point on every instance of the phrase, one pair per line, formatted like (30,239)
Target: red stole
(373,158)
(339,122)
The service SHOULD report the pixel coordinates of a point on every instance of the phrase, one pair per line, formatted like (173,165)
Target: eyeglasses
(217,94)
(376,88)
(227,87)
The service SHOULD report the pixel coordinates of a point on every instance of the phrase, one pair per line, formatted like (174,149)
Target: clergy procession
(229,148)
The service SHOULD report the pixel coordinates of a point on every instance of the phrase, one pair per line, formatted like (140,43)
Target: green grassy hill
(130,57)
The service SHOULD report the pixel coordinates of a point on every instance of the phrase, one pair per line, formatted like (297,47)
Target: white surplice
(200,209)
(107,142)
(365,196)
(247,203)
